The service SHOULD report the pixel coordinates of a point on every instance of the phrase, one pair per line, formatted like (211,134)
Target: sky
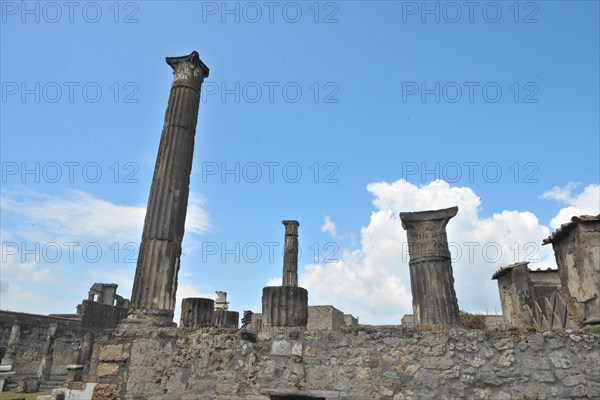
(338,114)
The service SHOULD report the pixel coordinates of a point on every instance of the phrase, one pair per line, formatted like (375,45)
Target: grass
(26,396)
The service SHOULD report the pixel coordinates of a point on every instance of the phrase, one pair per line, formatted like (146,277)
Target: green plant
(595,329)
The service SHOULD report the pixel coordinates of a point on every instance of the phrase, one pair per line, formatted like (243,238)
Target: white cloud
(373,282)
(79,215)
(44,238)
(75,216)
(329,226)
(586,202)
(274,281)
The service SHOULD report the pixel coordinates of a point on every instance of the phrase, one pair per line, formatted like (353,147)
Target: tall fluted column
(290,255)
(155,282)
(431,279)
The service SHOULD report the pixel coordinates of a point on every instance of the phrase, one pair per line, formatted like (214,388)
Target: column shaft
(155,282)
(431,278)
(290,255)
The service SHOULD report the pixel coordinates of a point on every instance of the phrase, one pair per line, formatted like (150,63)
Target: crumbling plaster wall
(578,257)
(385,363)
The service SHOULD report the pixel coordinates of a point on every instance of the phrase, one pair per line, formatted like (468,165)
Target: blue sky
(337,114)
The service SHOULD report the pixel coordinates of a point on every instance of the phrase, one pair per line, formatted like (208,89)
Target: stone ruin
(41,349)
(577,250)
(293,351)
(431,278)
(563,298)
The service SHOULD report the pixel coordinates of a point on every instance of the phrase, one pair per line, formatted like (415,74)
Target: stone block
(111,353)
(105,369)
(106,392)
(76,385)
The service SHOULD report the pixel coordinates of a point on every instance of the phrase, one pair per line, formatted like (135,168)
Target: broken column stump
(284,306)
(226,319)
(431,278)
(197,312)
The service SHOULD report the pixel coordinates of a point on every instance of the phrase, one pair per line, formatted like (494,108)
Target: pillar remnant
(226,319)
(155,282)
(286,305)
(290,255)
(47,354)
(197,312)
(431,279)
(11,347)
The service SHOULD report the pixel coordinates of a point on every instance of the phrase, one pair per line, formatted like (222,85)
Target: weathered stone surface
(106,392)
(284,306)
(197,312)
(226,319)
(290,254)
(155,283)
(107,369)
(47,354)
(382,363)
(577,251)
(431,278)
(111,352)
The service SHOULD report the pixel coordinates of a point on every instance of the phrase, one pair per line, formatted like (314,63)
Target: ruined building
(577,250)
(50,348)
(296,352)
(568,297)
(522,291)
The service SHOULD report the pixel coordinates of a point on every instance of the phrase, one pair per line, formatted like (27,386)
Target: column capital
(426,233)
(444,213)
(188,70)
(291,227)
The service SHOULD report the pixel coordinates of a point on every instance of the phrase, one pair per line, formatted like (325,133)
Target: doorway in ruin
(296,398)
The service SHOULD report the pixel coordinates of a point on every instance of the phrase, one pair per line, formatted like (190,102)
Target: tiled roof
(507,268)
(565,228)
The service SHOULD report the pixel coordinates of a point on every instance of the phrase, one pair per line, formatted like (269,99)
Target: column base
(284,306)
(150,317)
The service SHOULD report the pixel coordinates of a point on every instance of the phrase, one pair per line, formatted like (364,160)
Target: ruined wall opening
(296,398)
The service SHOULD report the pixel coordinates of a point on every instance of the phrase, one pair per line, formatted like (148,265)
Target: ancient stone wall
(385,363)
(33,335)
(97,316)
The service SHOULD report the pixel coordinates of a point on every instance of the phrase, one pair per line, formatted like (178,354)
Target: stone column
(286,305)
(47,354)
(155,282)
(431,279)
(87,348)
(11,347)
(290,255)
(75,369)
(226,319)
(197,312)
